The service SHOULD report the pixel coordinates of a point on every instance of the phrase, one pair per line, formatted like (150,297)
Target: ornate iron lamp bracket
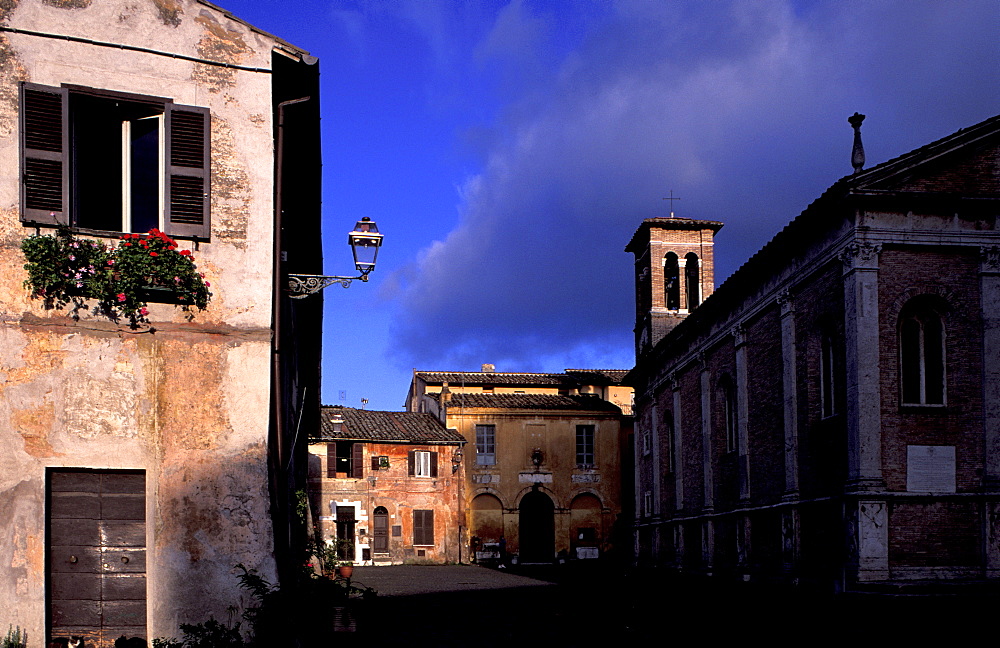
(301,286)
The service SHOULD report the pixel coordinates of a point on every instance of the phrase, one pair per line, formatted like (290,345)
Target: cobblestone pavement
(597,604)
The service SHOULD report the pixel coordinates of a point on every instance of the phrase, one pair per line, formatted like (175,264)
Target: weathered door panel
(97,555)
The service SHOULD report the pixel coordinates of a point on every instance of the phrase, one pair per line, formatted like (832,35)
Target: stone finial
(858,154)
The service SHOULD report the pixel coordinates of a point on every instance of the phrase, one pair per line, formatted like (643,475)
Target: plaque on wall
(930,469)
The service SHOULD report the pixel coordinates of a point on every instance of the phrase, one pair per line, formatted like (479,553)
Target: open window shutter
(434,464)
(331,460)
(411,462)
(44,155)
(188,183)
(374,462)
(357,457)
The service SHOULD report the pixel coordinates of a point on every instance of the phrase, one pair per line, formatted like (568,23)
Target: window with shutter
(331,460)
(422,463)
(357,459)
(423,527)
(104,162)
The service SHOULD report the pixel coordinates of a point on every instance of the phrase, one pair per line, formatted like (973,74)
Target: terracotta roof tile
(583,402)
(384,427)
(569,378)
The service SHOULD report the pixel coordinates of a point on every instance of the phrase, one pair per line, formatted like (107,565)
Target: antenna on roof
(858,154)
(364,401)
(671,199)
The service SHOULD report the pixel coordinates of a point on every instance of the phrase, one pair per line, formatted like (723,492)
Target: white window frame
(421,463)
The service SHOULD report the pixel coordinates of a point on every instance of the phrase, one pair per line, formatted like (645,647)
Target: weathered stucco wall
(188,403)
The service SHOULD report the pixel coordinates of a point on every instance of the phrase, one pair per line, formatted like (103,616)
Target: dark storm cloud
(739,108)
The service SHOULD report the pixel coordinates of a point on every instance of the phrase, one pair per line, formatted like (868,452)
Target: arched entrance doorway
(487,518)
(537,534)
(380,530)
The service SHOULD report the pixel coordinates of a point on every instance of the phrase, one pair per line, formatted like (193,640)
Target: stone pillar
(790,542)
(989,279)
(742,410)
(708,483)
(872,539)
(656,470)
(678,453)
(861,319)
(790,396)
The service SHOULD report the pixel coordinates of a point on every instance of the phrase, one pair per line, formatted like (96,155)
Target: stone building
(543,459)
(140,463)
(388,484)
(831,414)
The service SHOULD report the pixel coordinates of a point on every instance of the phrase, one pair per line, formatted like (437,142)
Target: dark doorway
(345,532)
(381,531)
(97,555)
(537,536)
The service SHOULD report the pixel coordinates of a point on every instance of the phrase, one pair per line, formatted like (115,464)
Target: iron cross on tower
(671,199)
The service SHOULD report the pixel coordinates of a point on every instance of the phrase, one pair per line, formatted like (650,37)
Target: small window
(585,446)
(422,463)
(108,162)
(423,527)
(380,463)
(646,443)
(921,356)
(486,445)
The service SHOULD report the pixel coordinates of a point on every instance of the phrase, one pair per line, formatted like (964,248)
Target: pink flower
(208,285)
(121,297)
(72,258)
(143,311)
(177,279)
(111,261)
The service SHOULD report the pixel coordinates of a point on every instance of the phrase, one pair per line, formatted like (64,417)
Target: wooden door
(97,555)
(381,531)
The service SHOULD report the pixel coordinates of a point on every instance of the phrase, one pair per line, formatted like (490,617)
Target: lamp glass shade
(365,241)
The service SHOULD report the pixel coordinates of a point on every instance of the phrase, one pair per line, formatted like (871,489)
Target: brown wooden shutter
(374,462)
(44,155)
(423,527)
(189,161)
(411,462)
(434,464)
(357,460)
(331,460)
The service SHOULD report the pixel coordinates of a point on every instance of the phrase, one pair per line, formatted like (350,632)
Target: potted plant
(122,279)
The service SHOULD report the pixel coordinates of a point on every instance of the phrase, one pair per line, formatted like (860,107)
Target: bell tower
(674,273)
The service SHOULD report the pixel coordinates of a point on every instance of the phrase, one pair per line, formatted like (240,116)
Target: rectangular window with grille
(486,448)
(585,446)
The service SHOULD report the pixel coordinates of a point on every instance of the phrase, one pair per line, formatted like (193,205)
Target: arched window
(671,281)
(692,277)
(921,355)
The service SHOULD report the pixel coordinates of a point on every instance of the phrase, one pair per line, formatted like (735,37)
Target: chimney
(488,368)
(445,392)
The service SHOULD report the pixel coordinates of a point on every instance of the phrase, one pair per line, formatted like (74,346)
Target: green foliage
(15,638)
(63,269)
(210,634)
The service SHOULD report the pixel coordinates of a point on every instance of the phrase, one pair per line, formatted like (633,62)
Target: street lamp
(364,240)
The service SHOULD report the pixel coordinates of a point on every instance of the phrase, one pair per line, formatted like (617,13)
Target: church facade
(831,414)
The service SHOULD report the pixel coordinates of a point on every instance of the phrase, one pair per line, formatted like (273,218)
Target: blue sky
(508,150)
